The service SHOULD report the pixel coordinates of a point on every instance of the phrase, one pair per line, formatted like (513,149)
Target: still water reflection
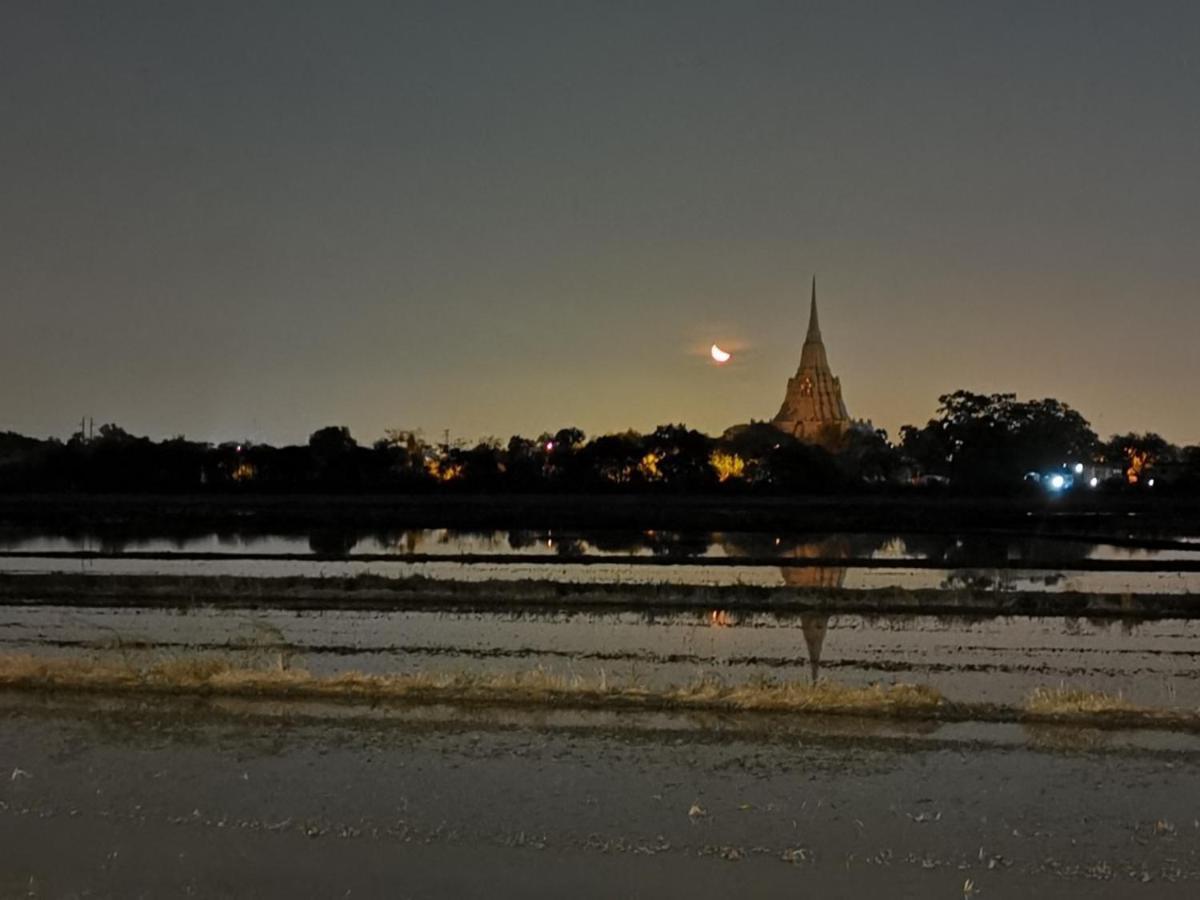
(956,550)
(998,658)
(978,561)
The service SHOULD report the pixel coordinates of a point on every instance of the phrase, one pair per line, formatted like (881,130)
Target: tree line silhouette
(975,443)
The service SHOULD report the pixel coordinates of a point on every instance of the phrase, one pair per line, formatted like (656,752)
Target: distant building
(813,409)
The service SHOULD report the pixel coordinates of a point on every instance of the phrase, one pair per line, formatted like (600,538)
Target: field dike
(376,592)
(214,676)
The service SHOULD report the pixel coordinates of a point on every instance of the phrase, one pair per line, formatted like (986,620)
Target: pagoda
(813,409)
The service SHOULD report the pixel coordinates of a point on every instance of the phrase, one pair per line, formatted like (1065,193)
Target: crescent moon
(719,355)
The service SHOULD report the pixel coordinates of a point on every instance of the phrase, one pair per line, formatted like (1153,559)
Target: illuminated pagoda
(813,409)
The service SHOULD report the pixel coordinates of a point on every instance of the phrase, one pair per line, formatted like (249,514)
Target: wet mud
(135,798)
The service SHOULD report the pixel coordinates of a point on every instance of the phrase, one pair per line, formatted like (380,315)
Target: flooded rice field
(856,578)
(970,659)
(1112,564)
(521,619)
(220,792)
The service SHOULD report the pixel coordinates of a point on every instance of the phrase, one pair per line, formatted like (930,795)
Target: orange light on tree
(727,466)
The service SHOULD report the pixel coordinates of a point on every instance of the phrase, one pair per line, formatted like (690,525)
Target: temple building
(813,409)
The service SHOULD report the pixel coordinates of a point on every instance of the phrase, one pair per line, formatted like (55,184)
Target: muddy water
(967,659)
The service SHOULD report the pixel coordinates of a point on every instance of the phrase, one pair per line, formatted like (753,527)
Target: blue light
(1057,482)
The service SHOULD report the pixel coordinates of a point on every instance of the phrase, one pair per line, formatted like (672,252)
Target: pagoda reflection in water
(813,625)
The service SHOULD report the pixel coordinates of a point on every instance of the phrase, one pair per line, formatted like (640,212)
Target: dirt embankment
(199,675)
(373,592)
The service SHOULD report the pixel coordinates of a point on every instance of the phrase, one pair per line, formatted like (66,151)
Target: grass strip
(215,676)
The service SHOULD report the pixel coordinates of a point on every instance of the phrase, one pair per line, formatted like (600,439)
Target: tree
(990,441)
(1137,454)
(613,459)
(559,463)
(568,438)
(333,452)
(398,458)
(677,456)
(755,444)
(797,467)
(865,454)
(26,462)
(480,466)
(524,462)
(1189,458)
(331,441)
(113,434)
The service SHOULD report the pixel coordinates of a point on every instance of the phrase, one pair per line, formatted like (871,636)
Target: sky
(241,220)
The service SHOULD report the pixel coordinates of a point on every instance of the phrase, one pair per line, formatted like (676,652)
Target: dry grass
(1064,701)
(823,696)
(215,675)
(207,674)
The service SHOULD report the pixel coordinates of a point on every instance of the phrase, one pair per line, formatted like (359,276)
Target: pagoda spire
(813,408)
(814,326)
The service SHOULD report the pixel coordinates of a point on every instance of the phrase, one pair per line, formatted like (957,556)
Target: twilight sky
(247,220)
